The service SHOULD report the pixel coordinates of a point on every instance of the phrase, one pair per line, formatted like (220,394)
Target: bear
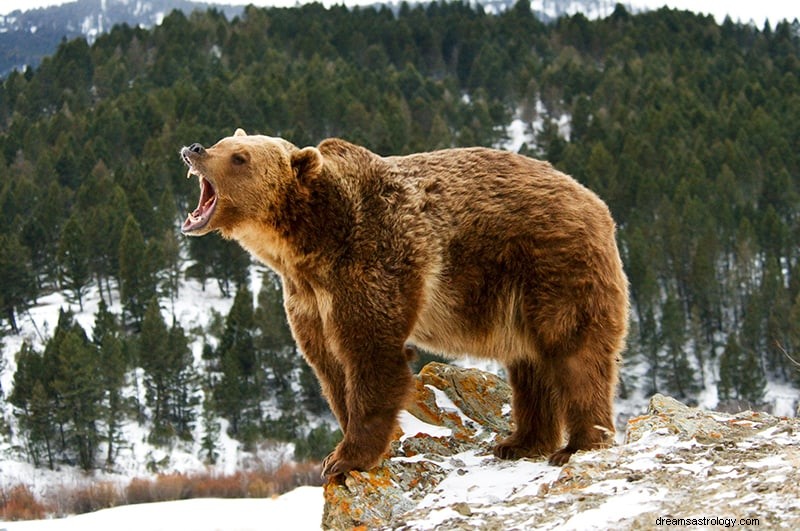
(461,251)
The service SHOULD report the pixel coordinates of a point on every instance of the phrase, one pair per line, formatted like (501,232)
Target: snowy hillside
(28,35)
(193,310)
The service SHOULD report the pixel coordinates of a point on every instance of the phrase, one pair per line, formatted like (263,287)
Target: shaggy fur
(461,251)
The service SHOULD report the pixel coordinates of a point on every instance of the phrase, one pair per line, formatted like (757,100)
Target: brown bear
(468,251)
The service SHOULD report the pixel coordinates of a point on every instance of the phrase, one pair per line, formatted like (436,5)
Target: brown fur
(462,251)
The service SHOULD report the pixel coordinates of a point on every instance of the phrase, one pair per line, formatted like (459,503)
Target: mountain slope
(28,36)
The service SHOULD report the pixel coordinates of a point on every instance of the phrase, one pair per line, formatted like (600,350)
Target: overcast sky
(739,10)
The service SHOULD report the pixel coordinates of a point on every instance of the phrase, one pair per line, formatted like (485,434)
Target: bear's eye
(238,159)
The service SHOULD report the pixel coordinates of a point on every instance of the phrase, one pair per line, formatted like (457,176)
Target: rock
(676,462)
(469,404)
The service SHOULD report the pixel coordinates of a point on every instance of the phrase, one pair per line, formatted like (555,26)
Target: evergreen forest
(688,129)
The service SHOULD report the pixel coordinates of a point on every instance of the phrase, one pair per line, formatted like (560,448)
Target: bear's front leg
(371,348)
(307,327)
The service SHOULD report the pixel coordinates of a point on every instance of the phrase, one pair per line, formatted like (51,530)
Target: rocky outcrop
(708,469)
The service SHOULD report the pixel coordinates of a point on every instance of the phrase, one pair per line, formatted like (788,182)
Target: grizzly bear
(469,251)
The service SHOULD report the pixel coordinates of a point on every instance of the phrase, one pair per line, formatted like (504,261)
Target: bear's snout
(190,152)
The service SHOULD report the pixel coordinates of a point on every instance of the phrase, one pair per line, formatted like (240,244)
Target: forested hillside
(690,130)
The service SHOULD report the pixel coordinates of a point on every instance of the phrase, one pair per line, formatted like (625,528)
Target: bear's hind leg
(586,386)
(536,411)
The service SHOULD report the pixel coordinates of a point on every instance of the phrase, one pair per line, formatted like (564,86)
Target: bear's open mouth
(205,207)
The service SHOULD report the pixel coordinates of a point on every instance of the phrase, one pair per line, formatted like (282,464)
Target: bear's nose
(196,148)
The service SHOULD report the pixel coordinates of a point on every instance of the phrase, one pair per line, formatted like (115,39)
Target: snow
(519,132)
(635,501)
(478,480)
(482,479)
(412,426)
(300,509)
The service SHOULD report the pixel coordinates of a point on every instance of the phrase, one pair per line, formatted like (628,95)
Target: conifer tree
(210,422)
(135,273)
(277,349)
(154,358)
(182,383)
(112,368)
(729,369)
(680,378)
(18,286)
(73,257)
(237,393)
(79,396)
(33,406)
(741,376)
(171,255)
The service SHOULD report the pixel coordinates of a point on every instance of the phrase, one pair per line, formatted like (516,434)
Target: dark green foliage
(18,287)
(741,376)
(317,444)
(107,338)
(57,397)
(237,390)
(73,258)
(169,382)
(219,259)
(79,396)
(36,416)
(210,430)
(136,272)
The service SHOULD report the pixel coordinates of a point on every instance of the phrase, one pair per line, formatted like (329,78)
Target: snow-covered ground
(298,510)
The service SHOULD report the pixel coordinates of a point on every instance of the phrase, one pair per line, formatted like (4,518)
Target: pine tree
(18,286)
(237,394)
(170,385)
(135,273)
(112,376)
(55,379)
(106,205)
(182,383)
(112,367)
(171,254)
(154,358)
(230,265)
(73,257)
(741,375)
(79,396)
(680,377)
(729,369)
(753,384)
(33,406)
(40,422)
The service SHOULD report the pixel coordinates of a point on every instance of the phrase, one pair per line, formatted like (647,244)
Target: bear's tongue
(205,207)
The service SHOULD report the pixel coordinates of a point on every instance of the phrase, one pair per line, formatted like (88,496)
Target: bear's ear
(239,132)
(306,164)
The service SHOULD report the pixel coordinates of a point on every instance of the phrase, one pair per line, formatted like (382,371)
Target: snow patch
(623,506)
(302,507)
